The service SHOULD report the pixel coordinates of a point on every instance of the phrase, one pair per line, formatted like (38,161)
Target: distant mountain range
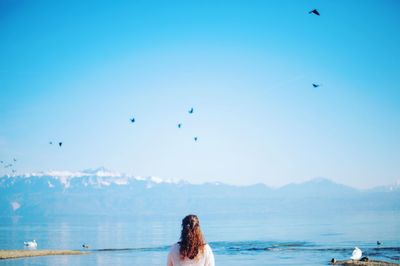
(103,192)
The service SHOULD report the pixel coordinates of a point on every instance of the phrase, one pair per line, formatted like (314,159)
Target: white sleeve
(210,261)
(169,259)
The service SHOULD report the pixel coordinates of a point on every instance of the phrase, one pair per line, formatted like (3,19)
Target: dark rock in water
(364,259)
(367,262)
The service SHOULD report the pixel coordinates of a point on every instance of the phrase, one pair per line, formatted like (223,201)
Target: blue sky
(76,72)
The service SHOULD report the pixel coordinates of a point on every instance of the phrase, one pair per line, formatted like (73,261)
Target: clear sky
(77,72)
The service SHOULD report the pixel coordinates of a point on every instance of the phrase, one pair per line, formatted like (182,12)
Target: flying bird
(357,254)
(191,111)
(51,143)
(315,85)
(314,11)
(31,244)
(132,120)
(195,138)
(179,125)
(60,144)
(14,160)
(85,246)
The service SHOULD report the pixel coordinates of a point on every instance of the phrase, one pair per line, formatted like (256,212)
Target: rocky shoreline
(14,254)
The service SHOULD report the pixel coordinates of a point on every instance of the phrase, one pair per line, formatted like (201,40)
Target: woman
(192,249)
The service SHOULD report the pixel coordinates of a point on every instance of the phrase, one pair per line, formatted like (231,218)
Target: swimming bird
(357,254)
(316,85)
(132,120)
(378,243)
(314,11)
(60,144)
(195,138)
(191,111)
(31,244)
(179,125)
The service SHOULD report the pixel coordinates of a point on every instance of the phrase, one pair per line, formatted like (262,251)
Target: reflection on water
(259,240)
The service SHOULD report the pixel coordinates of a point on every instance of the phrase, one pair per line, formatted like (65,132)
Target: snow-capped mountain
(104,192)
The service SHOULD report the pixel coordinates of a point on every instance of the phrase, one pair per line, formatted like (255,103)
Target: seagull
(31,244)
(60,144)
(191,111)
(195,138)
(314,11)
(357,254)
(179,125)
(316,85)
(132,120)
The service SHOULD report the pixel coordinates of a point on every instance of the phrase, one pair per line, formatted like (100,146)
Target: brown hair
(192,240)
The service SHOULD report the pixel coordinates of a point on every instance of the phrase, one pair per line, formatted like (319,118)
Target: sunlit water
(267,239)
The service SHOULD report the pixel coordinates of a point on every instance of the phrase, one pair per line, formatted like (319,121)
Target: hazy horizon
(78,72)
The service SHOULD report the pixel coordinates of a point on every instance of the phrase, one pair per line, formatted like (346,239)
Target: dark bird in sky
(316,85)
(132,120)
(191,111)
(195,138)
(60,144)
(314,11)
(85,246)
(179,125)
(14,171)
(14,160)
(51,143)
(1,161)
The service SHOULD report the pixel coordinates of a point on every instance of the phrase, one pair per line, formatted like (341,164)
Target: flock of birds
(10,165)
(191,110)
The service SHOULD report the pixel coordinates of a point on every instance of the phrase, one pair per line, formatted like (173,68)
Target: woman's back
(205,259)
(192,249)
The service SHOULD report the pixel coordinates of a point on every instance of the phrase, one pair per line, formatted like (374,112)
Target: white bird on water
(357,254)
(31,244)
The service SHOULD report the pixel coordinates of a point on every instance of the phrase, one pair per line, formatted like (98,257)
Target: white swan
(357,254)
(31,244)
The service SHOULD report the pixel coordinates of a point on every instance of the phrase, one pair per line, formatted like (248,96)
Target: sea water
(258,239)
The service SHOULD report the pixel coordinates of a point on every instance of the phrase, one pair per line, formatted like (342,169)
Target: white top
(205,259)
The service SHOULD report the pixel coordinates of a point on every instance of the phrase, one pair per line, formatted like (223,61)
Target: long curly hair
(192,241)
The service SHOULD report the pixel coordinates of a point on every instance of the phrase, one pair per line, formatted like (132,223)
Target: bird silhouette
(195,138)
(191,110)
(315,85)
(132,120)
(60,144)
(378,243)
(51,143)
(1,162)
(85,246)
(179,125)
(314,11)
(14,160)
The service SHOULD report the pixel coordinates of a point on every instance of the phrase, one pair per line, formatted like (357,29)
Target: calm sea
(262,239)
